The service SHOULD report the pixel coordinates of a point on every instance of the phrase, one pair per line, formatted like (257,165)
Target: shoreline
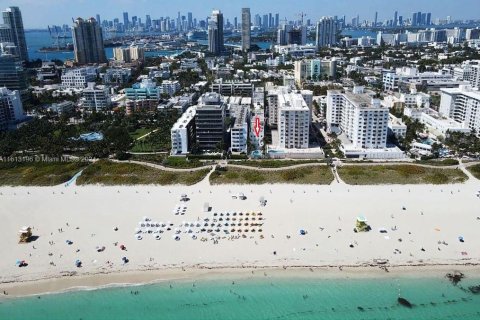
(98,281)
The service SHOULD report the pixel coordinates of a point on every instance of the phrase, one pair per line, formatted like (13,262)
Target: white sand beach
(416,217)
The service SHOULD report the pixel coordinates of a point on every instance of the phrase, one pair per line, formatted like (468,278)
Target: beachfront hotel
(463,105)
(293,121)
(363,123)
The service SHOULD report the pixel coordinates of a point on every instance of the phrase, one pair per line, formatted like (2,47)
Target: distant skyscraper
(246,30)
(277,20)
(265,21)
(88,42)
(414,19)
(148,21)
(215,33)
(270,19)
(419,18)
(98,19)
(189,20)
(235,23)
(376,19)
(395,19)
(126,22)
(327,29)
(429,18)
(12,17)
(282,34)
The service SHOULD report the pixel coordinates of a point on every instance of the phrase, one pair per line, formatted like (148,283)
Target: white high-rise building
(463,105)
(239,131)
(96,97)
(293,118)
(273,103)
(327,29)
(314,70)
(183,132)
(469,71)
(363,119)
(78,78)
(169,87)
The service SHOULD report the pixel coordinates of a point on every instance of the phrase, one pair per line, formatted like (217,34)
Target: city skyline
(39,14)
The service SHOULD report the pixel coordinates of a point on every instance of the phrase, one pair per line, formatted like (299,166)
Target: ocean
(259,298)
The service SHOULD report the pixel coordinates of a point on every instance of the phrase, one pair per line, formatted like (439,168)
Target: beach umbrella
(18,263)
(194,237)
(157,237)
(139,237)
(303,232)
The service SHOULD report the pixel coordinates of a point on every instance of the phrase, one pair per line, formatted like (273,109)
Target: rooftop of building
(186,117)
(292,101)
(394,121)
(211,100)
(463,89)
(362,100)
(240,113)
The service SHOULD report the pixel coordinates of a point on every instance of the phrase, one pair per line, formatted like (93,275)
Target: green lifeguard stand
(362,225)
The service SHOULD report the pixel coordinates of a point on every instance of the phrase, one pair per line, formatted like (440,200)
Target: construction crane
(301,15)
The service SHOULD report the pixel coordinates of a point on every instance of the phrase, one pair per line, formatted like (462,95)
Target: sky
(40,13)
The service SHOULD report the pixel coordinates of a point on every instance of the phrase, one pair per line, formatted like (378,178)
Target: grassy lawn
(140,132)
(171,162)
(274,163)
(112,173)
(152,158)
(307,175)
(38,173)
(144,146)
(475,170)
(399,174)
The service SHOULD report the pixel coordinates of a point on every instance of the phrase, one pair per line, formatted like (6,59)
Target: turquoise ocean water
(263,298)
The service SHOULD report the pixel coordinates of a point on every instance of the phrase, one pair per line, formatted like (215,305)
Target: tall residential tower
(215,33)
(88,42)
(327,29)
(12,17)
(246,30)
